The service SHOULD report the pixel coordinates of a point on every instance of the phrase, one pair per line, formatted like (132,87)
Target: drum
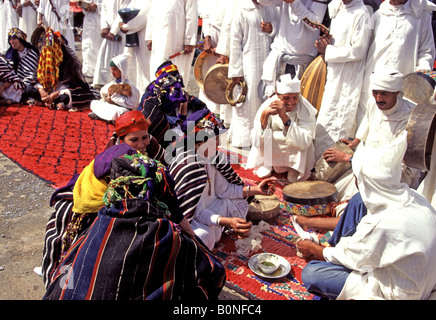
(331,171)
(263,208)
(202,64)
(419,86)
(313,81)
(310,198)
(420,136)
(216,83)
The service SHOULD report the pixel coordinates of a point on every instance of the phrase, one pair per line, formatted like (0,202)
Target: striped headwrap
(50,59)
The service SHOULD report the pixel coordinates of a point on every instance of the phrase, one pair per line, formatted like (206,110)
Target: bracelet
(218,221)
(248,191)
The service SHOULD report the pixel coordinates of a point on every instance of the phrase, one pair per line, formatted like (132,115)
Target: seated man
(118,96)
(211,194)
(387,117)
(283,132)
(387,253)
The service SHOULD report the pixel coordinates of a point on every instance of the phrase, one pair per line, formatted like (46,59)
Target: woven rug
(280,239)
(52,144)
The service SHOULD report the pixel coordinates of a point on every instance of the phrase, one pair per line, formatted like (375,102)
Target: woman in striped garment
(211,194)
(135,250)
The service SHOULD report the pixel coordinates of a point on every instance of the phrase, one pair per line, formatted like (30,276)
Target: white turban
(286,84)
(386,79)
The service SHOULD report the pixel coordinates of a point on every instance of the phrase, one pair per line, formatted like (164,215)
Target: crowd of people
(142,219)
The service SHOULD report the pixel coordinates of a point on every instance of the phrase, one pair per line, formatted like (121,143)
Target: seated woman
(166,104)
(61,84)
(18,68)
(118,96)
(76,204)
(134,250)
(211,194)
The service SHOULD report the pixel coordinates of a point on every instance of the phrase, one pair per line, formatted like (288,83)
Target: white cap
(286,84)
(386,78)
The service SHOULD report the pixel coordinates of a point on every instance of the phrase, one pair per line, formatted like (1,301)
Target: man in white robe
(113,40)
(9,21)
(252,31)
(171,28)
(282,135)
(91,39)
(55,14)
(390,252)
(294,44)
(139,57)
(29,16)
(113,104)
(402,38)
(345,55)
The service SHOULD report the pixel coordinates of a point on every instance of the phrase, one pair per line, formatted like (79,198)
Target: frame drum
(202,64)
(420,136)
(310,198)
(419,86)
(263,208)
(216,83)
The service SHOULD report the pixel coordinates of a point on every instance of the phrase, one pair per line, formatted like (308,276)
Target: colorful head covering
(130,122)
(50,59)
(203,120)
(168,86)
(15,32)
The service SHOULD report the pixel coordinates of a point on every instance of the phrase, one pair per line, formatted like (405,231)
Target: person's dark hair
(70,67)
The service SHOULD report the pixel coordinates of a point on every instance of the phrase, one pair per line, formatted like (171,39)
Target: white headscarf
(286,84)
(386,78)
(378,172)
(122,64)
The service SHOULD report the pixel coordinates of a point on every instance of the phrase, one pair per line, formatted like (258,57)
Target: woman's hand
(239,225)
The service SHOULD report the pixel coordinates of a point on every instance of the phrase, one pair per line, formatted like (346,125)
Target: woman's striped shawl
(190,177)
(131,252)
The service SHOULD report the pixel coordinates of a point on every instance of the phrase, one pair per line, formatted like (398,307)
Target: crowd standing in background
(137,58)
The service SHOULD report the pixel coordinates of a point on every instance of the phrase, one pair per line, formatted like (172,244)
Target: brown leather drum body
(263,208)
(331,171)
(310,198)
(313,81)
(420,136)
(216,83)
(202,64)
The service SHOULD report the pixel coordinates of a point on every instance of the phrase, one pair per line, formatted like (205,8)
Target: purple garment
(102,163)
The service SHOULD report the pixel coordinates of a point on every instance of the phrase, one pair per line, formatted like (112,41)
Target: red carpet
(53,145)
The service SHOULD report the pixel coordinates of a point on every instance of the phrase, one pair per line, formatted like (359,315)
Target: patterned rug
(280,239)
(53,145)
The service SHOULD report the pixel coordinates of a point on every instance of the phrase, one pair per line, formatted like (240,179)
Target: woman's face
(138,140)
(16,44)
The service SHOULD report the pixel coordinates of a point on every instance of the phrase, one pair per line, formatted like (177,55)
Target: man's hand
(352,144)
(104,32)
(334,155)
(322,43)
(266,27)
(207,45)
(188,49)
(308,248)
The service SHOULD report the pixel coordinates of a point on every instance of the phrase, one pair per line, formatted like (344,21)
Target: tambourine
(229,93)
